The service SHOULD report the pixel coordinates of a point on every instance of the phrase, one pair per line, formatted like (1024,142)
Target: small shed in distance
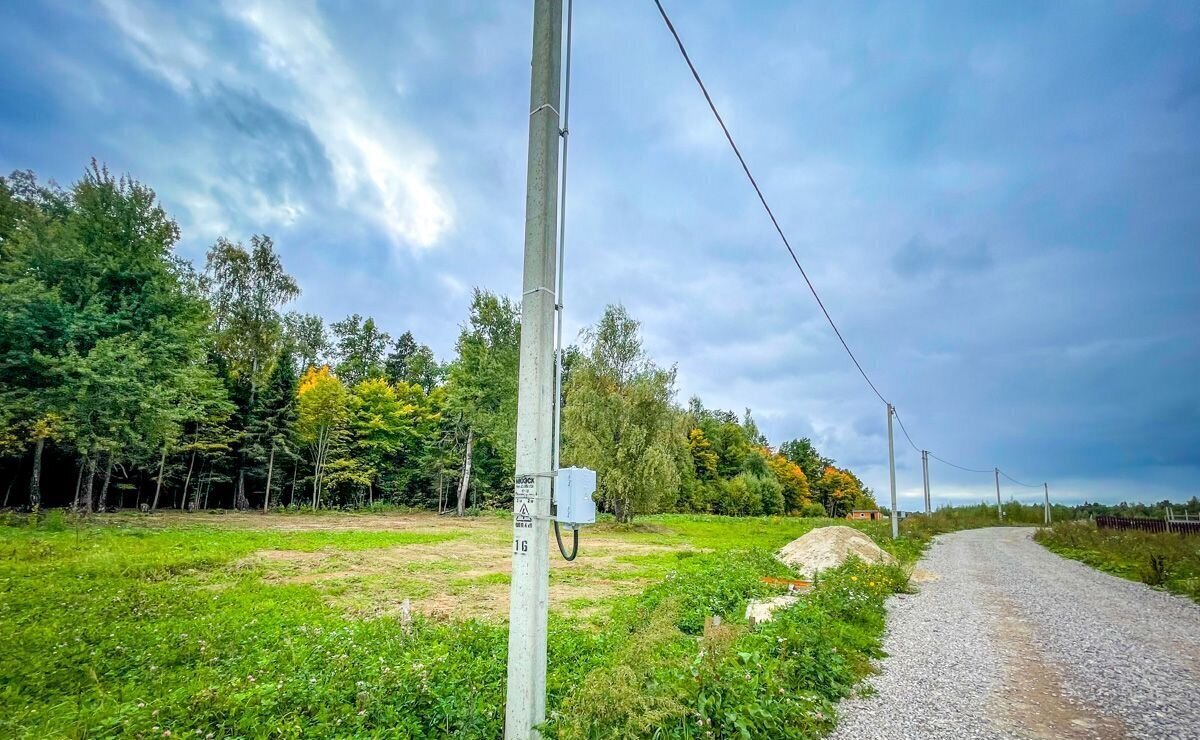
(866,514)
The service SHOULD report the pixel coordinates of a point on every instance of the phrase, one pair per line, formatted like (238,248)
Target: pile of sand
(829,547)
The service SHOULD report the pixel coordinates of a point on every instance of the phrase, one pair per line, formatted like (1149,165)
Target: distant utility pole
(1046,488)
(525,705)
(892,469)
(925,472)
(999,511)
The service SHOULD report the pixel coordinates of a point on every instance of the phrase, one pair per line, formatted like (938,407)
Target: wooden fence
(1149,525)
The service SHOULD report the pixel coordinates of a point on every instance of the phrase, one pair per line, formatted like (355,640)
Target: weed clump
(1161,559)
(1154,573)
(677,679)
(719,585)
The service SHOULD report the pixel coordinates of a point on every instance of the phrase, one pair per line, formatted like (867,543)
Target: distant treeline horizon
(1087,510)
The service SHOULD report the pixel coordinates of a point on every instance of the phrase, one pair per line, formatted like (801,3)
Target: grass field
(1166,560)
(245,625)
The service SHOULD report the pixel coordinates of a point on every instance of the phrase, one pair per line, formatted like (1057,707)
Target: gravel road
(1008,640)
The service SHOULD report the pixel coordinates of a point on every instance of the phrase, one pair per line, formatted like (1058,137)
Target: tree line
(131,378)
(1137,509)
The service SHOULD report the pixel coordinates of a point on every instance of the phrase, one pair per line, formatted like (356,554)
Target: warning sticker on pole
(524,489)
(523,520)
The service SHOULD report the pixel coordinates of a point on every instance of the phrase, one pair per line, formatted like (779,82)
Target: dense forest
(131,378)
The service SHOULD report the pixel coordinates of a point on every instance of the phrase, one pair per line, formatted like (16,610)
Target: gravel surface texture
(1005,639)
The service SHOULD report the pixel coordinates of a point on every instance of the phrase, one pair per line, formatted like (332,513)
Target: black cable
(562,235)
(935,457)
(960,467)
(762,198)
(562,548)
(775,222)
(901,423)
(1014,480)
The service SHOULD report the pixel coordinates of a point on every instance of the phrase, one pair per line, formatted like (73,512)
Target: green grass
(1166,560)
(673,676)
(716,533)
(135,627)
(954,519)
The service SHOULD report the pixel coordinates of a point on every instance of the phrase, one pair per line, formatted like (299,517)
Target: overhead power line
(1014,480)
(746,168)
(960,467)
(935,457)
(903,429)
(783,237)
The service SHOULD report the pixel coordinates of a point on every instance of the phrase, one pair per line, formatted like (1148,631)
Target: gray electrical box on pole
(525,702)
(575,505)
(892,469)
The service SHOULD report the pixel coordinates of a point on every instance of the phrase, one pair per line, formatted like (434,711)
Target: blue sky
(999,202)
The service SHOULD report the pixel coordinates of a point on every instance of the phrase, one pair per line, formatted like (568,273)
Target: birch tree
(360,348)
(322,414)
(620,419)
(306,339)
(247,287)
(482,387)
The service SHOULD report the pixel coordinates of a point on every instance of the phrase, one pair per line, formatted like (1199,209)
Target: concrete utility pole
(925,472)
(525,705)
(999,511)
(892,470)
(1046,488)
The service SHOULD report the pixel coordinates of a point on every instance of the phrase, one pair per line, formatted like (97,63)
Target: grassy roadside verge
(1170,561)
(671,677)
(119,630)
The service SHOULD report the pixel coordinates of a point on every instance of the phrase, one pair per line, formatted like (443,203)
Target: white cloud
(454,287)
(383,171)
(156,43)
(370,154)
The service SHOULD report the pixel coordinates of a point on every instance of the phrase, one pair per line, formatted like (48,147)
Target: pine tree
(414,363)
(272,422)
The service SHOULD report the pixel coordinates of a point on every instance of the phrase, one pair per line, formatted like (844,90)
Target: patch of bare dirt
(288,556)
(921,575)
(490,602)
(445,572)
(1036,704)
(335,522)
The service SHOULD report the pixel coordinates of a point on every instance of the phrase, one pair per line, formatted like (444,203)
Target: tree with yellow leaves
(795,483)
(840,491)
(704,460)
(322,416)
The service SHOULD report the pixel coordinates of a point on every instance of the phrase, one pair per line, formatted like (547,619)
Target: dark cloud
(277,155)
